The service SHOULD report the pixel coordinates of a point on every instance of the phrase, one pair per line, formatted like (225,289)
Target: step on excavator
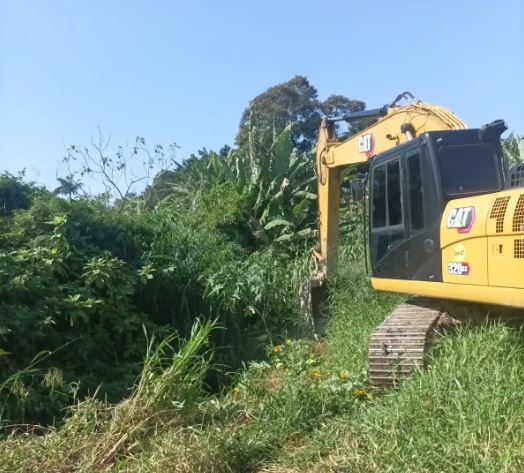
(445,225)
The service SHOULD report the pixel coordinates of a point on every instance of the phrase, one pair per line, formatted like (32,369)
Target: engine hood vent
(518,216)
(516,175)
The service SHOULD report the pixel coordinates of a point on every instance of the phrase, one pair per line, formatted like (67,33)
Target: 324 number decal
(458,269)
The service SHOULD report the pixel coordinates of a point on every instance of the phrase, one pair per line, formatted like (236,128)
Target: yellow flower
(237,390)
(316,374)
(289,342)
(359,392)
(277,349)
(343,375)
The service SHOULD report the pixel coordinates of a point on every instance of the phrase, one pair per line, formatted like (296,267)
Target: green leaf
(300,210)
(305,194)
(272,210)
(297,156)
(215,165)
(282,149)
(58,220)
(305,182)
(276,223)
(306,232)
(295,169)
(285,237)
(240,167)
(275,184)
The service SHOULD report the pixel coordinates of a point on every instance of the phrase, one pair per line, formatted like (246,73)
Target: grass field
(307,407)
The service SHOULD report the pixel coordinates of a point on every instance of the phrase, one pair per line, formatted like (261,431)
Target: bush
(81,279)
(66,290)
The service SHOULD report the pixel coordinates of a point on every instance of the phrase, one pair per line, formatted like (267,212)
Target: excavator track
(400,343)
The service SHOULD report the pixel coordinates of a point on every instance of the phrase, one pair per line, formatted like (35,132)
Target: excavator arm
(395,124)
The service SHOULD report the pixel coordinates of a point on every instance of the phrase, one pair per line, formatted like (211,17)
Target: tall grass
(98,436)
(464,413)
(306,407)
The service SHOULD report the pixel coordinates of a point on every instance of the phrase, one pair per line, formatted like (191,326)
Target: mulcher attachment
(400,343)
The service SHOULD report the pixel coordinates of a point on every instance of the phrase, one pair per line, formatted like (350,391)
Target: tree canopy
(295,101)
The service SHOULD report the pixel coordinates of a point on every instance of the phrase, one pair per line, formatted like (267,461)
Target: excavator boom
(395,125)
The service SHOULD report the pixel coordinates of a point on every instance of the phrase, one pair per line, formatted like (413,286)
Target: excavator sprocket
(400,343)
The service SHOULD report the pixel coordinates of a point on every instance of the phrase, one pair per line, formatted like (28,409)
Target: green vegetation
(306,407)
(295,102)
(84,281)
(160,332)
(512,149)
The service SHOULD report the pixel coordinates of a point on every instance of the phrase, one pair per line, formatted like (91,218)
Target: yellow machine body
(484,264)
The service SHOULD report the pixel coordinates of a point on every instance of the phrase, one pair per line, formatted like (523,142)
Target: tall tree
(292,102)
(339,105)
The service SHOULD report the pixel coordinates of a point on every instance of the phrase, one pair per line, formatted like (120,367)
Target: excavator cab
(410,186)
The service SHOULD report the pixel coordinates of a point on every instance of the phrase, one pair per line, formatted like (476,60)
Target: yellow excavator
(445,224)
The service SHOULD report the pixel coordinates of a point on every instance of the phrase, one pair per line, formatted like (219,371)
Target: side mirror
(357,189)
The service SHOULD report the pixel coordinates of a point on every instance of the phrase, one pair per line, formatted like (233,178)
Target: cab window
(387,196)
(469,169)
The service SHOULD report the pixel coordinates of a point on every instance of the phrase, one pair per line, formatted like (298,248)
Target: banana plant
(276,181)
(280,183)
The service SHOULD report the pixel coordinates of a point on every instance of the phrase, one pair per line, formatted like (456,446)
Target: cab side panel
(463,241)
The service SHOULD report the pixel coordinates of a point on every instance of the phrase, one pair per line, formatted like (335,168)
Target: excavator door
(404,220)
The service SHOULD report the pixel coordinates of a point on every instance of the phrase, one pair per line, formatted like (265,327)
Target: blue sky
(184,71)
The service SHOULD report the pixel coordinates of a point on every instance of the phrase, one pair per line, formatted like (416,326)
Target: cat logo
(366,145)
(462,218)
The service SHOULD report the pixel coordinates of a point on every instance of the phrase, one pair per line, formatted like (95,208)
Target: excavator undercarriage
(400,343)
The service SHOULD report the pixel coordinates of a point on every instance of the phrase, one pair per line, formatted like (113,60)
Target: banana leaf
(277,222)
(282,149)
